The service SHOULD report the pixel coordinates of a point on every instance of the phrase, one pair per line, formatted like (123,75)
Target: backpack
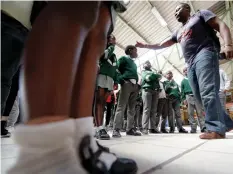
(211,32)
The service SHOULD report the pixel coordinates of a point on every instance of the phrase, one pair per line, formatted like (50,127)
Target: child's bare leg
(101,132)
(51,56)
(100,102)
(82,99)
(50,60)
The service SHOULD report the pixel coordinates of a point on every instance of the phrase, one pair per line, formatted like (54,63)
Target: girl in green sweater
(105,84)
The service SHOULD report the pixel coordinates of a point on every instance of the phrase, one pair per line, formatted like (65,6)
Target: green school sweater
(127,69)
(185,88)
(150,80)
(172,88)
(108,63)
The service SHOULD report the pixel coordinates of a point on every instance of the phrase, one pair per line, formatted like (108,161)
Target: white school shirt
(224,81)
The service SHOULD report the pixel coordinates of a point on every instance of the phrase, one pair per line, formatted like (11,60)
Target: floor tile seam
(3,158)
(8,145)
(173,147)
(170,160)
(203,150)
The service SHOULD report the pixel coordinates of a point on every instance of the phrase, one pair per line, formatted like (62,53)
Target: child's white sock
(47,149)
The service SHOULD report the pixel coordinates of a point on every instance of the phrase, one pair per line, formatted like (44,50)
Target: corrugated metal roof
(138,23)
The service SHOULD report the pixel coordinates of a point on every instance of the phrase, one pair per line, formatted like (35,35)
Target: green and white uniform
(150,96)
(107,74)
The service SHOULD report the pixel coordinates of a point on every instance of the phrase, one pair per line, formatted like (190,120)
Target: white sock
(47,149)
(84,126)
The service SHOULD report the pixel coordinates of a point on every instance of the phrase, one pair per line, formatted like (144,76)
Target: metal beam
(135,31)
(157,61)
(173,66)
(132,28)
(160,15)
(169,56)
(120,46)
(192,7)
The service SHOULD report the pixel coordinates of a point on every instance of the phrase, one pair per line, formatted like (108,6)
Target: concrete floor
(160,154)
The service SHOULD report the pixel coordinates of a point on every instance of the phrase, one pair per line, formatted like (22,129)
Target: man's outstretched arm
(167,43)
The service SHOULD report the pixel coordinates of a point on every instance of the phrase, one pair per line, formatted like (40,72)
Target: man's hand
(228,50)
(140,45)
(185,102)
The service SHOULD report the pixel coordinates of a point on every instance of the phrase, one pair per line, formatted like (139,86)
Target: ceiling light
(159,17)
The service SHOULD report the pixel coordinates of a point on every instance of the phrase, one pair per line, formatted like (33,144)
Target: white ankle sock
(53,148)
(84,126)
(47,148)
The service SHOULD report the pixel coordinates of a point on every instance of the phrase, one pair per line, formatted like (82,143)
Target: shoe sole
(103,138)
(134,135)
(116,137)
(5,136)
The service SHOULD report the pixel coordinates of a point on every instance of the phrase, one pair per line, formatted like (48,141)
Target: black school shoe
(133,132)
(182,130)
(171,131)
(164,131)
(116,133)
(91,162)
(154,131)
(193,131)
(4,132)
(102,135)
(203,130)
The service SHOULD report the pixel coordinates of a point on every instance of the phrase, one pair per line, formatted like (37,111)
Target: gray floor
(160,154)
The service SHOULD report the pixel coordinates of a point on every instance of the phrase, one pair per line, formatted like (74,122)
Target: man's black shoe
(133,132)
(102,135)
(171,131)
(116,133)
(93,164)
(203,129)
(164,131)
(4,132)
(154,131)
(182,130)
(193,131)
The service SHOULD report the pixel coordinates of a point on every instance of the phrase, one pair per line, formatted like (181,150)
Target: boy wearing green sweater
(173,103)
(150,92)
(128,79)
(188,99)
